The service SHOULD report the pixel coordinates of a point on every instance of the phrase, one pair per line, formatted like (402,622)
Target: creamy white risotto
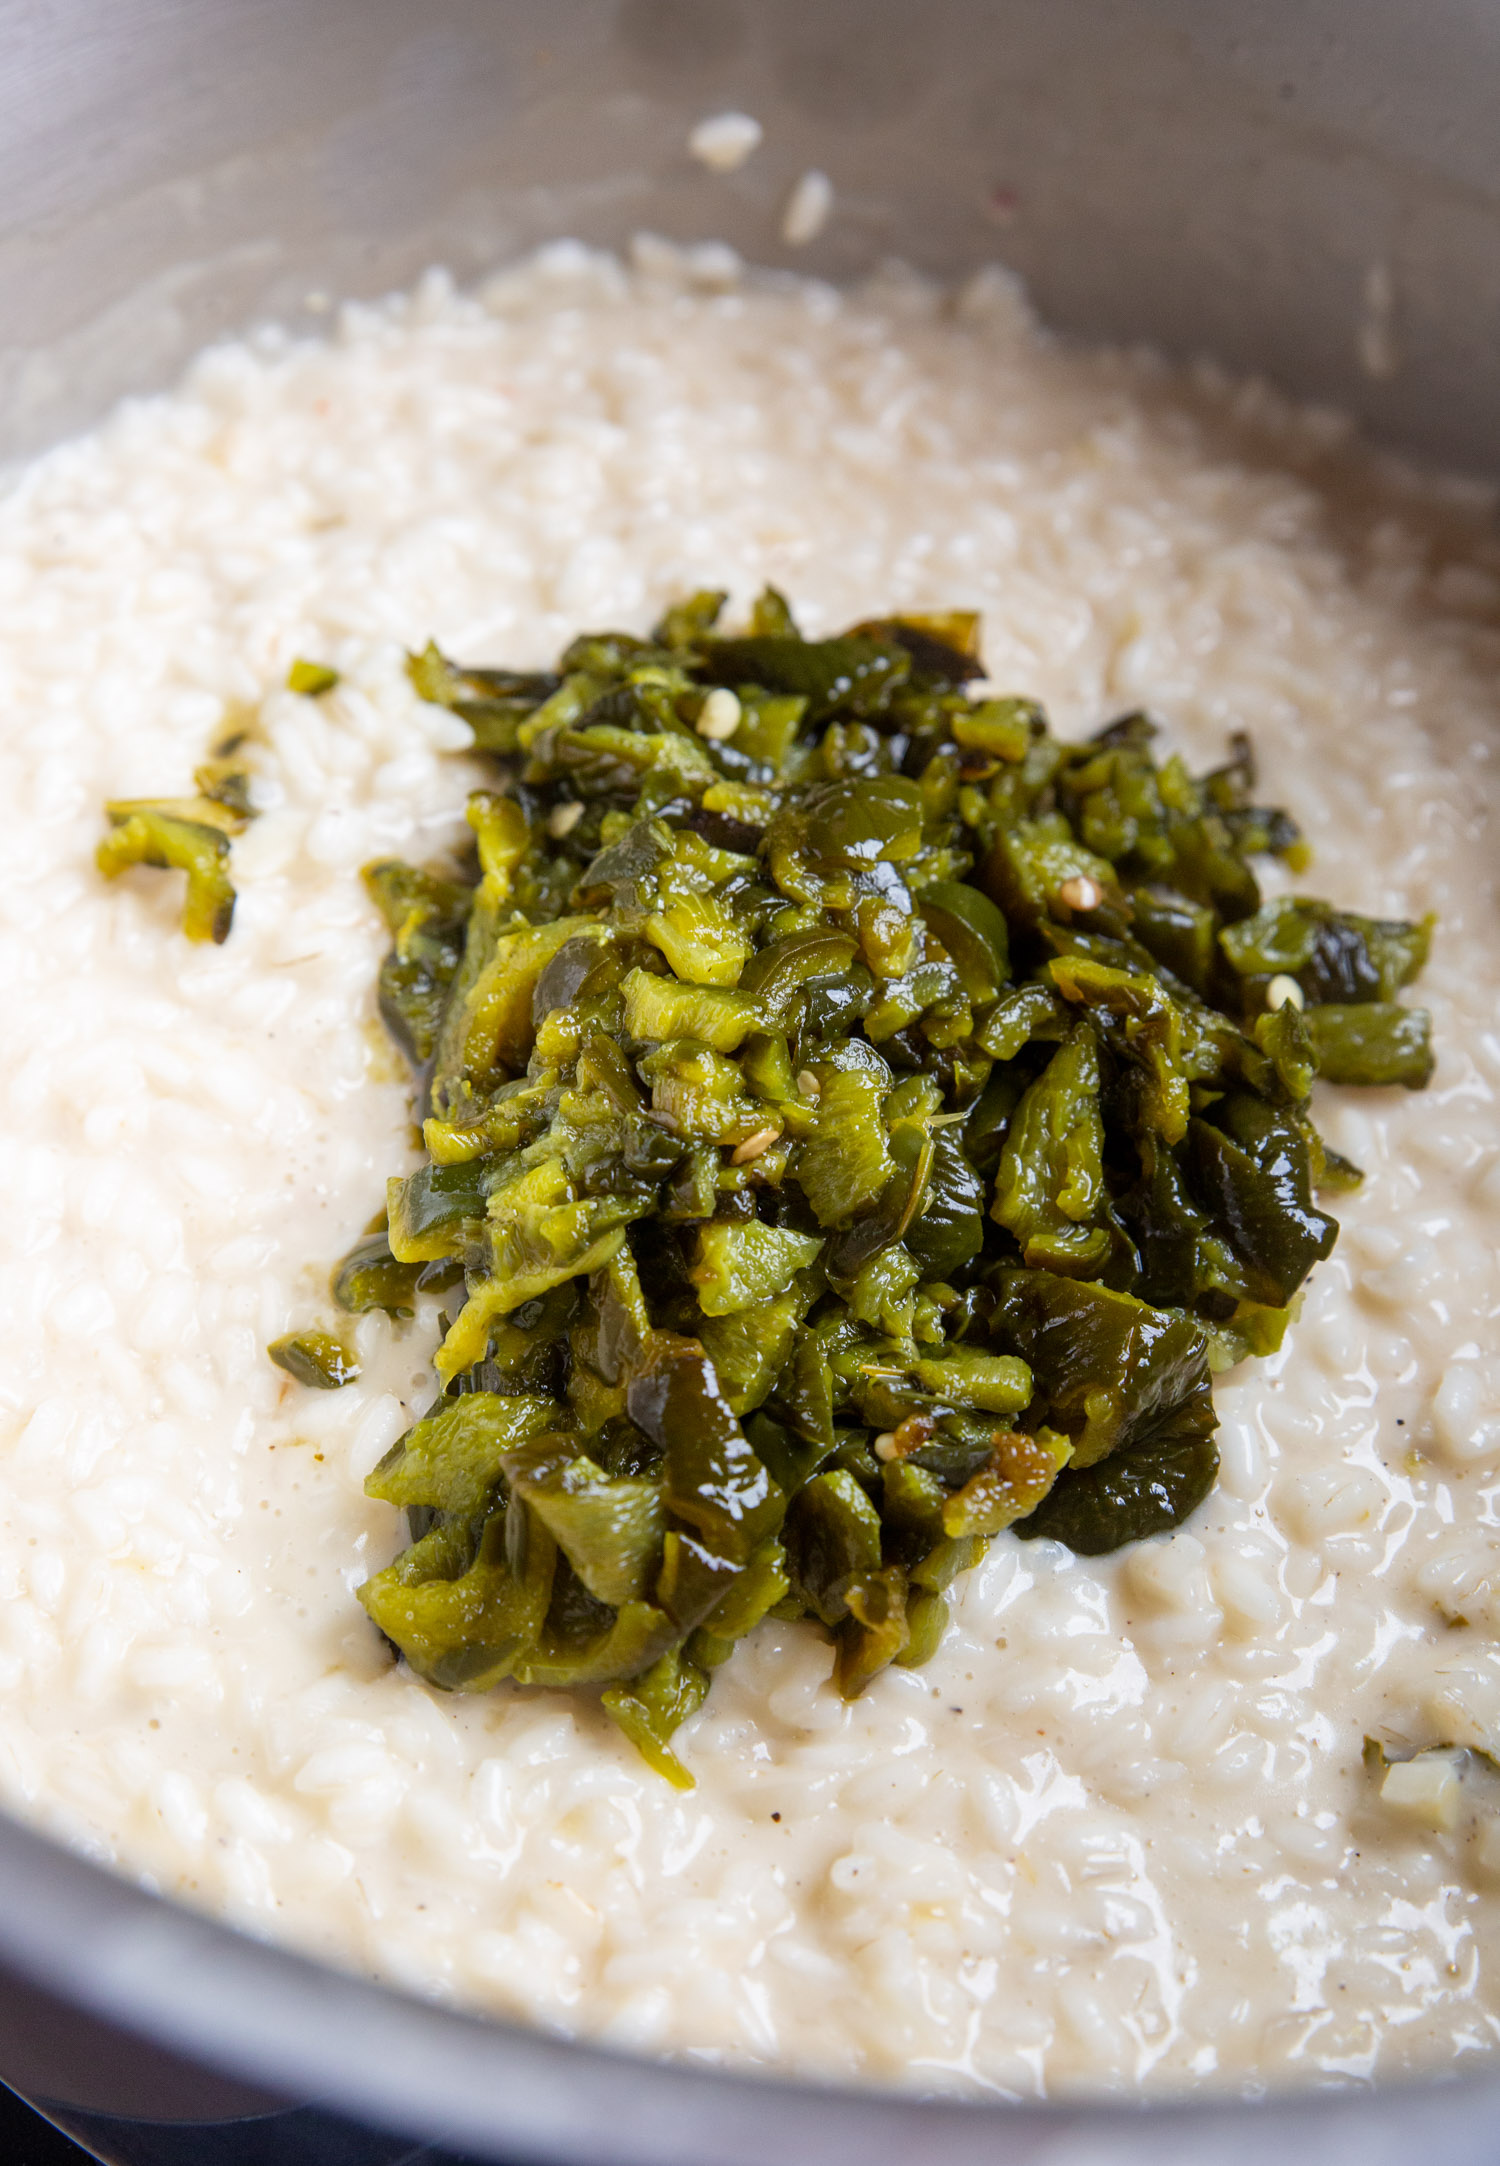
(1120,1828)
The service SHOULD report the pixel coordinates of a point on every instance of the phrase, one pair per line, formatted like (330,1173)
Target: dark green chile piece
(1177,932)
(989,1118)
(225,781)
(624,872)
(407,898)
(608,1526)
(1023,1015)
(583,1642)
(1374,1043)
(853,677)
(451,1461)
(948,1232)
(694,1579)
(428,1210)
(650,1707)
(1169,1230)
(494,702)
(832,1536)
(314,1358)
(943,647)
(370,1278)
(875,1632)
(790,1457)
(778,973)
(1108,1369)
(428,918)
(1285,1036)
(689,621)
(839,829)
(1336,956)
(1249,1168)
(1148,1489)
(712,1478)
(974,932)
(1049,1189)
(464,1607)
(411,998)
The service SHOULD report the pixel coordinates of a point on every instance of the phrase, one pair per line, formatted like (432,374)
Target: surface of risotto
(1122,1826)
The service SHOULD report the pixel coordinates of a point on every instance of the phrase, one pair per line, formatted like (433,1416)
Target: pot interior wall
(1302,187)
(1307,188)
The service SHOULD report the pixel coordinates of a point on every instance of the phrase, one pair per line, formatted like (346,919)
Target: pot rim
(327,2038)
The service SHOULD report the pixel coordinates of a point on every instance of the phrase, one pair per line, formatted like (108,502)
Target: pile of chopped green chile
(856,1123)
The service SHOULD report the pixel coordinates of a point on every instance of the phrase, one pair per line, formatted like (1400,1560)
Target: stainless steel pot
(1310,188)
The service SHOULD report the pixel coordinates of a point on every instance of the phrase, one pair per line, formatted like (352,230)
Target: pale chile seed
(1081,893)
(720,717)
(753,1146)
